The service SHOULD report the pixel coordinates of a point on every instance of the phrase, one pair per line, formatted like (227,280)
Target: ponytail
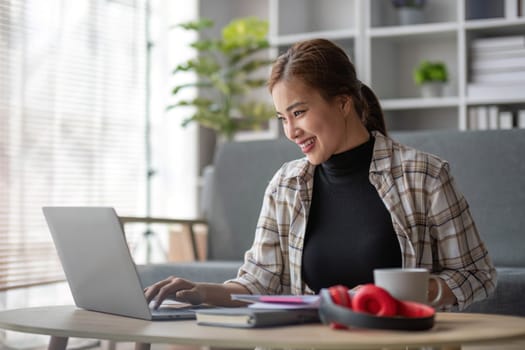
(373,117)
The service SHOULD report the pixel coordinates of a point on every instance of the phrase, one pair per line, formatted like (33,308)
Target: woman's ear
(346,104)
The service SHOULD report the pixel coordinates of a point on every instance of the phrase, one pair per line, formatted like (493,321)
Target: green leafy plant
(428,71)
(227,69)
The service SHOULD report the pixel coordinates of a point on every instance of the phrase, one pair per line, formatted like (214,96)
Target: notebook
(100,271)
(247,317)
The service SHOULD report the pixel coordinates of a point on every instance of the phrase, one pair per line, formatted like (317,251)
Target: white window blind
(72,76)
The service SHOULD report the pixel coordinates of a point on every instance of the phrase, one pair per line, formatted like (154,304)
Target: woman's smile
(307,145)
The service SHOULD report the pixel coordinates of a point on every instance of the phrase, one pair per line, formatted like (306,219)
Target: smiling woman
(358,201)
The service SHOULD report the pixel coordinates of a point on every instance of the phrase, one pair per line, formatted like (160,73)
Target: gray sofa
(489,167)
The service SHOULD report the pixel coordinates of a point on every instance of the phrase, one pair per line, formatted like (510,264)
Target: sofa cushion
(234,191)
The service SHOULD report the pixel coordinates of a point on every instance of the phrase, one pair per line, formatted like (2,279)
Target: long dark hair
(324,66)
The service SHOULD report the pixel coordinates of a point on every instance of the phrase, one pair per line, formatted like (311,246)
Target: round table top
(449,329)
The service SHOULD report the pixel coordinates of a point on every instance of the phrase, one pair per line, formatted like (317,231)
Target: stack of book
(497,67)
(495,117)
(263,311)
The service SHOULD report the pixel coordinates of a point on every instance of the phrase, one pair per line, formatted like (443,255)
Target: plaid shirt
(431,218)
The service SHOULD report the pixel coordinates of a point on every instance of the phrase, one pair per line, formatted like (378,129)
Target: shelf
(419,103)
(477,101)
(446,29)
(385,52)
(291,17)
(494,23)
(290,39)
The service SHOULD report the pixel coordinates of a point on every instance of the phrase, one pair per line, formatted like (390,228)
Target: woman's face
(317,126)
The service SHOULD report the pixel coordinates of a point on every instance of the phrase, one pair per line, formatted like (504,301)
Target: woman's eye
(297,113)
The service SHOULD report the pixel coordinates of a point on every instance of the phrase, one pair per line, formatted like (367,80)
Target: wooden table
(451,329)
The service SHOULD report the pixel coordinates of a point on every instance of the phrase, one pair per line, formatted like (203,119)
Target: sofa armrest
(189,224)
(507,299)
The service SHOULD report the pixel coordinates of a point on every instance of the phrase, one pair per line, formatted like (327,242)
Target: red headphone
(372,307)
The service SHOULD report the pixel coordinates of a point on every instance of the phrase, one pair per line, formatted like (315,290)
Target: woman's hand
(186,291)
(447,296)
(175,288)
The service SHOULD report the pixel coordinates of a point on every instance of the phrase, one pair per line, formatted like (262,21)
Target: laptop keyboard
(169,310)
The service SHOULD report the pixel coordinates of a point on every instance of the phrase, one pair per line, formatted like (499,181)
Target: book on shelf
(490,63)
(509,76)
(521,119)
(496,90)
(521,8)
(482,118)
(506,120)
(249,317)
(503,63)
(512,9)
(491,118)
(472,120)
(497,43)
(483,55)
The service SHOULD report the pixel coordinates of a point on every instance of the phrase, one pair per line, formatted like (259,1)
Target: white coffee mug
(410,284)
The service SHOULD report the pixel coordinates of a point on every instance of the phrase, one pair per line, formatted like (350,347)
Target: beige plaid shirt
(430,217)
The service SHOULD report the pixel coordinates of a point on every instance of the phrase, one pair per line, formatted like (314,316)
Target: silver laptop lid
(96,259)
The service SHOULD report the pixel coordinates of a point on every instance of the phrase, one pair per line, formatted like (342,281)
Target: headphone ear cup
(374,300)
(340,296)
(414,310)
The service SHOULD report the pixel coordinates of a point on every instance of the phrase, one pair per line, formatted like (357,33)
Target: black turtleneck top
(349,231)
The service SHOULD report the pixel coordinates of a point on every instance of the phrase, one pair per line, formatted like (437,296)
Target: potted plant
(431,76)
(227,72)
(409,11)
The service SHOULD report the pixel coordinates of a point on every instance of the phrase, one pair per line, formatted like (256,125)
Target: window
(72,77)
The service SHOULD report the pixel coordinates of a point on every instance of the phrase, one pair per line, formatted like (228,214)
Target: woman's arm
(464,263)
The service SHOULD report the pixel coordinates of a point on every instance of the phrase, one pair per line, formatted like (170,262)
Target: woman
(356,202)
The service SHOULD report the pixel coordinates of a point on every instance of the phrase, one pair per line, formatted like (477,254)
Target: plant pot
(410,15)
(432,89)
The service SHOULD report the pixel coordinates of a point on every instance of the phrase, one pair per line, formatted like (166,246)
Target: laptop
(97,262)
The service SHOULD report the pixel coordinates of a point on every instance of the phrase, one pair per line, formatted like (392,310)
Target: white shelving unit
(385,52)
(297,20)
(392,51)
